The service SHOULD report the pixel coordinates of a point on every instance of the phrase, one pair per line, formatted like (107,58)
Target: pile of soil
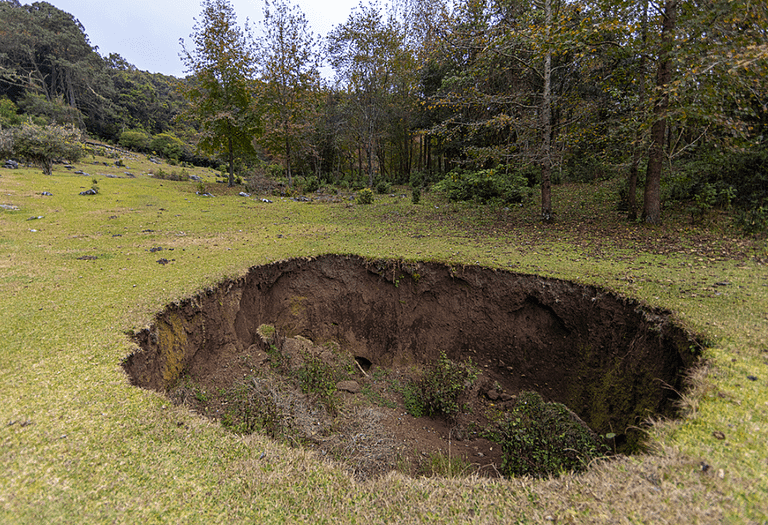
(613,361)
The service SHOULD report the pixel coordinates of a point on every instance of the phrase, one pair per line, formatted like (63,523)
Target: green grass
(79,444)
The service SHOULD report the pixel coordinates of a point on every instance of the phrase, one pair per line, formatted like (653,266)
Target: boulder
(353,387)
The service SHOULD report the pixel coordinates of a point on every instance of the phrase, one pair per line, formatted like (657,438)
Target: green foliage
(439,391)
(416,195)
(220,95)
(383,187)
(753,220)
(485,186)
(311,184)
(9,113)
(251,408)
(318,378)
(168,145)
(365,196)
(178,176)
(541,439)
(43,145)
(136,140)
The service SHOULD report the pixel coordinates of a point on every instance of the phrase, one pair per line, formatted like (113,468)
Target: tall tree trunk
(231,163)
(652,196)
(546,124)
(637,151)
(288,162)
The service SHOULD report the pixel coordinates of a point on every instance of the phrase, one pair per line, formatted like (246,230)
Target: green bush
(383,187)
(416,195)
(365,196)
(42,146)
(485,186)
(541,439)
(438,393)
(135,140)
(311,184)
(316,377)
(168,145)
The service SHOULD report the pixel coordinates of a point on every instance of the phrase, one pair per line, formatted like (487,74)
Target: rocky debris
(163,261)
(81,172)
(38,217)
(11,164)
(155,160)
(267,201)
(47,194)
(353,387)
(8,207)
(195,178)
(204,194)
(89,192)
(243,194)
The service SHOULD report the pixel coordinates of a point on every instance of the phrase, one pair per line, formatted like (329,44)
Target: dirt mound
(381,324)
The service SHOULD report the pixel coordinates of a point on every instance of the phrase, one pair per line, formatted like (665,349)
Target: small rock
(267,201)
(35,218)
(718,435)
(505,397)
(8,207)
(47,194)
(353,387)
(89,192)
(752,378)
(492,394)
(243,194)
(163,261)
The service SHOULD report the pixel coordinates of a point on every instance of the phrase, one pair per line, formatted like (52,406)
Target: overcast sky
(146,32)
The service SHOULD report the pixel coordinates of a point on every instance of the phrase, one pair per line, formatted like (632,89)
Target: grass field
(78,444)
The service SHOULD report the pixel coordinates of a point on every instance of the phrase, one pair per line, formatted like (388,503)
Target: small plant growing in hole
(318,378)
(439,392)
(541,439)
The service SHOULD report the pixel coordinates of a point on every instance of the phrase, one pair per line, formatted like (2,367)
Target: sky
(146,32)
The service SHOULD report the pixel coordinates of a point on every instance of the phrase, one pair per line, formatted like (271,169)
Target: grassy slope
(79,444)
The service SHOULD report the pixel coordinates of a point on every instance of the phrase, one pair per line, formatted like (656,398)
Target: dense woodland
(484,100)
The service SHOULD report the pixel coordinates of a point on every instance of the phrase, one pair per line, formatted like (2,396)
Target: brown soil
(382,323)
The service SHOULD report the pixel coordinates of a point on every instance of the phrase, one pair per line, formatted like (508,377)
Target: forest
(490,101)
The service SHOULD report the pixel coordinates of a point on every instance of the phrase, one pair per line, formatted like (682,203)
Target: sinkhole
(325,352)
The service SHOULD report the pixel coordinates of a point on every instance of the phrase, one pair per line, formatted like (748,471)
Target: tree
(42,145)
(365,52)
(652,195)
(220,92)
(291,82)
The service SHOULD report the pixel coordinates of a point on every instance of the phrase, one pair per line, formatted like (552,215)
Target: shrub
(365,196)
(42,145)
(168,145)
(439,391)
(541,439)
(174,175)
(135,140)
(416,195)
(311,184)
(383,187)
(485,186)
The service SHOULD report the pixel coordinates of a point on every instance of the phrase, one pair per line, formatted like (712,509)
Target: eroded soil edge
(611,360)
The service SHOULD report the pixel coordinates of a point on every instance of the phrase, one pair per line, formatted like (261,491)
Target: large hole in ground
(331,353)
